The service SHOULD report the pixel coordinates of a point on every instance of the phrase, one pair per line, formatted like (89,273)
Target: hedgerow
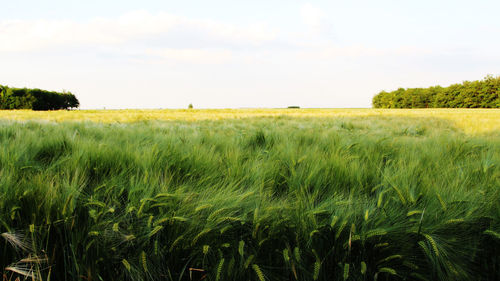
(469,94)
(36,99)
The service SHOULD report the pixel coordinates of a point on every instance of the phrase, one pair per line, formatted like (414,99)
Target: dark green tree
(469,94)
(36,99)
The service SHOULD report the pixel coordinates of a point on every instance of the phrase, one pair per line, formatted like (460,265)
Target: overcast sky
(258,53)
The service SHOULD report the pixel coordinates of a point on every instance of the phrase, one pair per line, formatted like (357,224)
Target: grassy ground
(468,120)
(251,194)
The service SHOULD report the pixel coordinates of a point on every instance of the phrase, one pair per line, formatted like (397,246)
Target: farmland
(250,194)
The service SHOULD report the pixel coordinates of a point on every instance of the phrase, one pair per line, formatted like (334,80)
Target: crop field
(250,194)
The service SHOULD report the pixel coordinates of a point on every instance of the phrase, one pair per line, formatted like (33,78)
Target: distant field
(250,194)
(469,120)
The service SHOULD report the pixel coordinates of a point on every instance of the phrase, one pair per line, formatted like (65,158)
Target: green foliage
(36,99)
(475,94)
(273,198)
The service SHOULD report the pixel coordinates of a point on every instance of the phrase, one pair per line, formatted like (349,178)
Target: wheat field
(250,194)
(469,120)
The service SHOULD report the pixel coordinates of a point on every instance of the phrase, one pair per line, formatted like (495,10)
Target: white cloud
(30,35)
(189,55)
(312,16)
(332,52)
(320,29)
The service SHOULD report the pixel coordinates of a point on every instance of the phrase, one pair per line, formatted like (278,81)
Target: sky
(239,54)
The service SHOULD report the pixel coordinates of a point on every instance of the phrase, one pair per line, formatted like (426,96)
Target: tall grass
(261,198)
(468,120)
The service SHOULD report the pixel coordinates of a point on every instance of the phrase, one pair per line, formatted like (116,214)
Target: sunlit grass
(267,194)
(469,120)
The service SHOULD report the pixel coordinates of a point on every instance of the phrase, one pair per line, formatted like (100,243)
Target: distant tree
(190,106)
(469,94)
(70,101)
(36,99)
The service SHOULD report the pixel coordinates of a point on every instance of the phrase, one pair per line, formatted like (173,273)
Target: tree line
(469,94)
(36,99)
